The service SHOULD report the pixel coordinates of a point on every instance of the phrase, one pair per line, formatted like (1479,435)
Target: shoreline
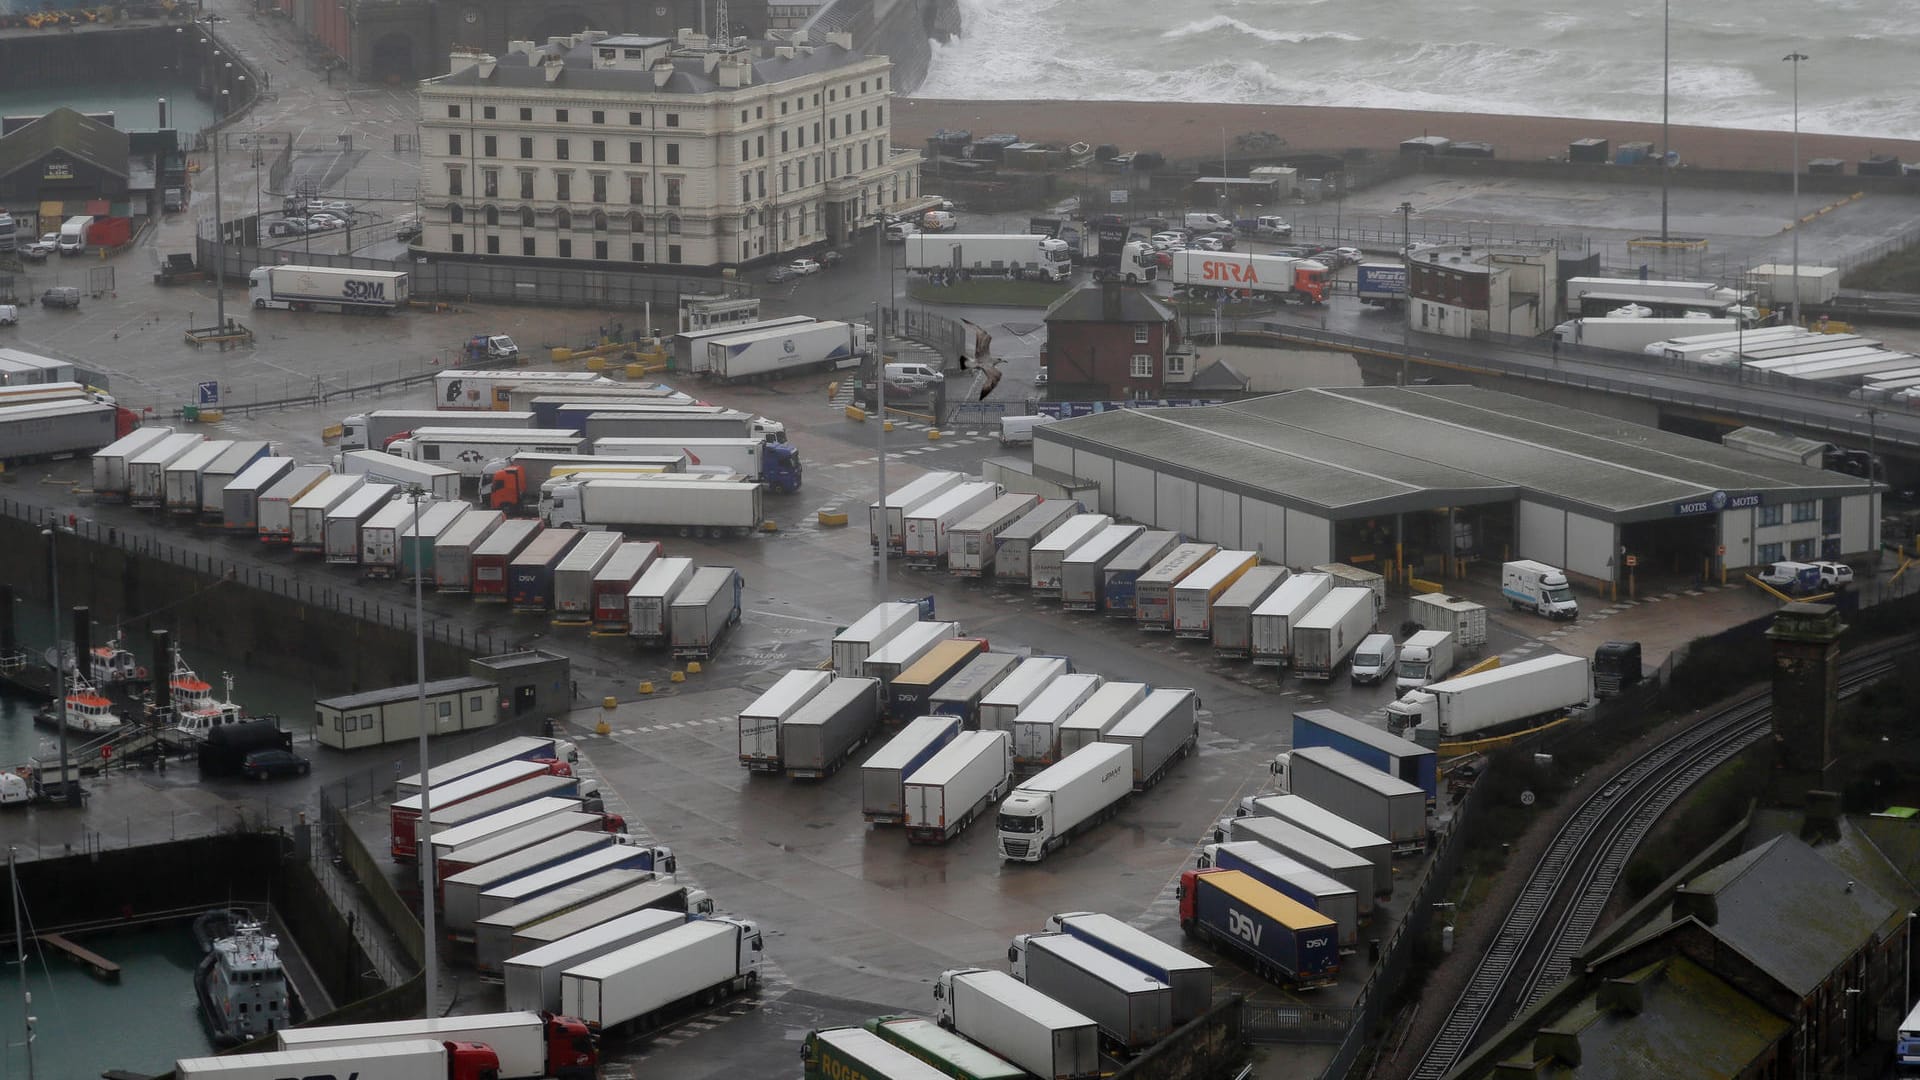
(1191,131)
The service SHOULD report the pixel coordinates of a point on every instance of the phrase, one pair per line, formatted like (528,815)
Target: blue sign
(1065,410)
(209,393)
(1716,502)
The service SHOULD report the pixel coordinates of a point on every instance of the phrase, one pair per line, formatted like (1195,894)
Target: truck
(1083,571)
(891,523)
(776,465)
(382,468)
(1397,757)
(530,574)
(1278,277)
(703,612)
(1012,557)
(546,402)
(418,542)
(453,551)
(1132,1008)
(375,430)
(403,815)
(819,737)
(782,351)
(761,720)
(1632,334)
(879,625)
(1159,731)
(380,537)
(883,776)
(616,578)
(944,795)
(1232,630)
(973,543)
(1036,728)
(491,556)
(1778,285)
(1000,705)
(1046,559)
(1294,879)
(1348,576)
(1153,589)
(492,350)
(110,479)
(1324,637)
(962,694)
(518,746)
(1022,258)
(240,501)
(515,484)
(326,288)
(492,813)
(929,525)
(530,1045)
(688,508)
(308,514)
(650,601)
(460,892)
(181,481)
(613,420)
(1466,620)
(1281,939)
(1189,978)
(701,961)
(1118,576)
(689,344)
(910,693)
(415,1059)
(532,977)
(573,578)
(518,889)
(146,470)
(1358,870)
(663,893)
(1099,713)
(1195,594)
(952,1055)
(1019,1023)
(493,932)
(1539,588)
(59,429)
(1136,263)
(905,648)
(1381,284)
(469,451)
(1081,790)
(273,508)
(240,456)
(1427,656)
(1616,667)
(1536,689)
(841,1052)
(1368,797)
(480,390)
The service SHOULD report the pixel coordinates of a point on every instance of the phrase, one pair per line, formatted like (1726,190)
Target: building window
(800,136)
(490,214)
(635,154)
(563,218)
(879,115)
(599,221)
(816,131)
(599,150)
(673,119)
(455,213)
(743,116)
(526,115)
(639,252)
(493,245)
(1767,553)
(459,242)
(600,250)
(486,112)
(783,142)
(746,187)
(566,248)
(453,181)
(760,183)
(863,86)
(599,117)
(490,146)
(599,187)
(801,179)
(1830,515)
(636,222)
(830,94)
(1176,364)
(673,191)
(759,146)
(563,186)
(759,112)
(673,253)
(1770,515)
(879,84)
(1802,511)
(634,119)
(559,116)
(863,119)
(526,217)
(526,246)
(1802,549)
(453,145)
(784,174)
(783,108)
(1141,334)
(526,147)
(453,111)
(637,190)
(673,225)
(673,153)
(833,128)
(864,163)
(562,150)
(1141,366)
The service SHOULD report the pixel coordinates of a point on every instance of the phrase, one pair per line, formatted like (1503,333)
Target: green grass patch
(989,292)
(1898,272)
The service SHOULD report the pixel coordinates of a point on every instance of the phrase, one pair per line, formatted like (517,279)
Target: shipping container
(1160,731)
(1083,571)
(760,721)
(1013,556)
(1132,1008)
(615,579)
(533,976)
(1294,810)
(818,738)
(240,501)
(1019,1023)
(1036,728)
(947,793)
(1097,715)
(1195,594)
(929,526)
(1018,689)
(878,626)
(883,776)
(961,695)
(1293,879)
(911,496)
(453,551)
(910,693)
(1401,758)
(573,578)
(1274,619)
(906,647)
(952,1054)
(1153,590)
(1046,558)
(1120,575)
(530,574)
(1282,939)
(650,601)
(973,544)
(340,529)
(1190,977)
(1233,612)
(1345,576)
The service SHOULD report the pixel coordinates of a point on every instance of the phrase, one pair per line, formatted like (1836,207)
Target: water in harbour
(142,1023)
(131,101)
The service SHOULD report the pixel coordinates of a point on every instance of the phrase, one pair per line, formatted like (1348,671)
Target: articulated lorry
(1119,577)
(945,795)
(973,543)
(1083,571)
(845,1053)
(1281,939)
(1036,728)
(634,988)
(1233,611)
(782,351)
(819,737)
(1097,715)
(415,1059)
(1153,590)
(1326,636)
(326,288)
(688,508)
(375,430)
(883,776)
(760,721)
(927,527)
(1019,1023)
(1273,621)
(1293,878)
(961,695)
(953,1055)
(891,521)
(1083,789)
(1158,732)
(1276,277)
(1023,258)
(530,1045)
(533,977)
(1013,557)
(469,451)
(690,346)
(1391,754)
(1540,688)
(775,464)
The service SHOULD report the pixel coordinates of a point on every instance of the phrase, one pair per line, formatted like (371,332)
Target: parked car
(829,259)
(781,274)
(289,227)
(1835,575)
(1167,237)
(65,296)
(262,764)
(332,206)
(804,267)
(1349,254)
(41,248)
(324,223)
(1040,377)
(1208,243)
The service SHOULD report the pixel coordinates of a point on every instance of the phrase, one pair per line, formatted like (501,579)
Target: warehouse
(1396,477)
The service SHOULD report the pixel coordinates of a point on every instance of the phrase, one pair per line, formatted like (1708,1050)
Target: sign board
(1722,550)
(1716,502)
(209,393)
(1633,560)
(58,169)
(1117,195)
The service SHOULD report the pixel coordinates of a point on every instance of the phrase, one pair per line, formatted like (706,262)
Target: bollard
(603,728)
(609,702)
(832,517)
(887,426)
(933,435)
(855,412)
(693,667)
(646,687)
(678,676)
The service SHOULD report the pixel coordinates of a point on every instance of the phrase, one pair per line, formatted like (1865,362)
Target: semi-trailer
(1282,939)
(326,288)
(380,536)
(530,574)
(953,1055)
(877,627)
(493,934)
(437,480)
(890,523)
(109,464)
(704,611)
(1195,594)
(616,578)
(537,789)
(1283,277)
(1233,612)
(340,529)
(1325,637)
(240,501)
(689,348)
(374,430)
(961,695)
(1019,1023)
(946,794)
(621,420)
(1353,870)
(1013,557)
(1050,808)
(403,815)
(1540,688)
(460,892)
(530,1045)
(469,450)
(774,464)
(1046,559)
(273,509)
(493,555)
(509,749)
(554,831)
(1296,812)
(1001,704)
(1273,621)
(1036,728)
(147,470)
(1295,879)
(846,1053)
(698,507)
(883,776)
(473,829)
(703,960)
(573,577)
(1119,576)
(417,542)
(481,390)
(60,429)
(910,693)
(650,601)
(453,551)
(906,647)
(1083,571)
(1352,577)
(928,527)
(782,351)
(1391,754)
(1427,656)
(1158,732)
(973,544)
(1099,713)
(760,721)
(1132,1008)
(1020,257)
(532,977)
(518,890)
(818,738)
(181,481)
(1381,284)
(1190,978)
(307,516)
(416,1059)
(515,485)
(662,893)
(223,470)
(1153,589)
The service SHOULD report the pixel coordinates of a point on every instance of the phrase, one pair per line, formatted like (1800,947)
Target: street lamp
(424,841)
(1795,58)
(52,533)
(880,381)
(1406,271)
(1666,85)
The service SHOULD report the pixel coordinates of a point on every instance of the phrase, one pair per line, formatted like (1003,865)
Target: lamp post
(880,385)
(1666,86)
(1795,58)
(52,533)
(1406,262)
(423,842)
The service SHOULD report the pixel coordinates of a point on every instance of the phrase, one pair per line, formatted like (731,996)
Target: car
(1208,243)
(324,223)
(1227,240)
(1349,254)
(332,206)
(804,267)
(1165,259)
(330,215)
(408,233)
(1167,237)
(262,764)
(38,251)
(289,227)
(780,274)
(65,296)
(1040,377)
(1835,575)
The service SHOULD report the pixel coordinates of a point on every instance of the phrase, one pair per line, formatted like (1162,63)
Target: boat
(88,710)
(195,709)
(241,985)
(111,666)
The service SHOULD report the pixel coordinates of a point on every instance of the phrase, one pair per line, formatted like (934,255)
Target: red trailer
(615,579)
(491,558)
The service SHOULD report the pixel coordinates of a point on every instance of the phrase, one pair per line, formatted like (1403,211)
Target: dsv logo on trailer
(1244,926)
(365,290)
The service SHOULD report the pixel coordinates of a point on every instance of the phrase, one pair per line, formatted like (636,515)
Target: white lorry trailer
(819,737)
(240,501)
(899,653)
(1018,690)
(745,457)
(223,470)
(1189,977)
(1273,621)
(374,430)
(1046,560)
(468,451)
(1132,1008)
(890,522)
(1465,619)
(147,470)
(703,612)
(627,988)
(1364,795)
(881,624)
(1425,657)
(1306,814)
(415,1059)
(273,509)
(1540,688)
(1282,277)
(689,347)
(650,601)
(1232,629)
(573,578)
(883,776)
(460,892)
(1326,636)
(533,977)
(325,288)
(943,796)
(308,514)
(1080,791)
(1099,713)
(1083,573)
(929,526)
(340,540)
(1153,590)
(110,481)
(760,721)
(1012,557)
(380,537)
(530,1046)
(1356,870)
(973,543)
(493,933)
(438,480)
(687,507)
(782,351)
(181,482)
(1023,258)
(1159,731)
(1021,1024)
(1036,728)
(1195,595)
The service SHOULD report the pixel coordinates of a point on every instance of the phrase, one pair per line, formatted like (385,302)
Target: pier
(101,967)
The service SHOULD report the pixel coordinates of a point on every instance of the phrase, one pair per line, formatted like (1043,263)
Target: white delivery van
(73,234)
(1539,588)
(1018,430)
(1375,658)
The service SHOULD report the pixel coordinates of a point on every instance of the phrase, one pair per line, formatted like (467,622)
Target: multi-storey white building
(597,149)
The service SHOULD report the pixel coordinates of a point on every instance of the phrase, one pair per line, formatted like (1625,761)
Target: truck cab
(73,234)
(780,467)
(1539,588)
(1025,824)
(1616,666)
(1416,708)
(773,431)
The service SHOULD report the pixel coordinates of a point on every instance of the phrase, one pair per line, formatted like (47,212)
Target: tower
(1806,693)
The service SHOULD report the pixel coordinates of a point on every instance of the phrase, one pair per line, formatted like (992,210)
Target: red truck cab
(573,1050)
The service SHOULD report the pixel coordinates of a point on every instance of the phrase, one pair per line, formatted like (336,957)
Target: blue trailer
(960,696)
(1139,556)
(1397,757)
(1283,940)
(1381,284)
(1295,880)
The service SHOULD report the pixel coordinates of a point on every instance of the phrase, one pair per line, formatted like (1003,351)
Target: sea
(1599,61)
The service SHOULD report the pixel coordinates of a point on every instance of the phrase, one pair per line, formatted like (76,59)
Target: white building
(595,149)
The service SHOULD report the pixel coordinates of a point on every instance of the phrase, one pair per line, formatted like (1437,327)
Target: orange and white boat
(196,711)
(88,711)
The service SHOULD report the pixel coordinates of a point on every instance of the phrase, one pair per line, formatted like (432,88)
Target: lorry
(614,580)
(477,389)
(1779,285)
(761,720)
(469,451)
(380,536)
(1324,637)
(530,1045)
(492,349)
(530,573)
(1067,798)
(838,1053)
(382,468)
(1360,871)
(782,351)
(892,521)
(1189,978)
(1281,939)
(1427,656)
(146,470)
(1022,258)
(1083,571)
(1135,263)
(1090,722)
(1294,879)
(73,234)
(515,484)
(1232,629)
(240,456)
(1159,731)
(701,614)
(823,732)
(1046,560)
(701,961)
(883,776)
(1119,575)
(1368,797)
(944,795)
(1466,620)
(776,465)
(496,812)
(240,499)
(492,555)
(1348,576)
(1019,1023)
(573,578)
(326,288)
(340,529)
(517,890)
(928,526)
(460,890)
(650,601)
(1381,284)
(1616,667)
(532,838)
(1000,705)
(904,649)
(952,1055)
(1132,1008)
(879,625)
(1540,688)
(60,429)
(273,508)
(1012,557)
(1153,589)
(109,464)
(415,1059)
(1036,728)
(1391,754)
(1195,594)
(910,693)
(453,551)
(375,430)
(961,695)
(620,420)
(1278,277)
(417,543)
(973,543)
(688,508)
(546,402)
(532,977)
(308,514)
(689,346)
(1632,334)
(509,749)
(663,893)
(1539,588)
(181,481)
(403,815)
(493,931)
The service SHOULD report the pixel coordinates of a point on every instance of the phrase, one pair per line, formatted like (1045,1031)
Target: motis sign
(1716,502)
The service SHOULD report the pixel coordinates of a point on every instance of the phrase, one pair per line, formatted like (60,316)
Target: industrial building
(1472,290)
(1399,477)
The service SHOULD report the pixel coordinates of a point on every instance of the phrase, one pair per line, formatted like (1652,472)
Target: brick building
(1109,342)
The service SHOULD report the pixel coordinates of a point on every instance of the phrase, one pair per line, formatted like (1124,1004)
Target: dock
(101,966)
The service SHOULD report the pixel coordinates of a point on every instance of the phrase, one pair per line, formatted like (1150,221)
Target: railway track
(1563,897)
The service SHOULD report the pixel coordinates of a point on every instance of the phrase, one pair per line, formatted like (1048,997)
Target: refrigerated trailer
(703,612)
(1294,879)
(1302,813)
(493,933)
(509,749)
(147,470)
(240,500)
(181,480)
(1083,571)
(1233,611)
(1099,713)
(110,482)
(403,815)
(1536,689)
(662,893)
(1119,577)
(326,288)
(1190,978)
(308,514)
(1001,704)
(1036,728)
(946,794)
(650,601)
(437,480)
(929,525)
(1401,758)
(841,1053)
(1012,557)
(416,1059)
(1132,1008)
(614,580)
(530,574)
(468,451)
(760,721)
(573,578)
(883,776)
(852,645)
(533,977)
(703,959)
(599,859)
(689,348)
(493,555)
(1195,594)
(782,351)
(223,470)
(273,509)
(460,891)
(1159,731)
(340,529)
(1046,559)
(696,507)
(891,523)
(973,544)
(1326,636)
(1153,590)
(818,738)
(374,430)
(961,695)
(453,551)
(1083,789)
(1273,621)
(1019,1023)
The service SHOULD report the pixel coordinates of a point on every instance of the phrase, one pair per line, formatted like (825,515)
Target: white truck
(760,721)
(1153,590)
(1013,555)
(1159,731)
(308,514)
(1132,1008)
(1233,611)
(892,521)
(461,892)
(573,577)
(745,457)
(650,601)
(1001,704)
(415,1059)
(881,624)
(1023,258)
(1539,588)
(1281,277)
(1633,335)
(481,390)
(1355,790)
(1046,560)
(533,977)
(223,470)
(910,644)
(1427,656)
(819,737)
(943,796)
(783,351)
(181,482)
(240,501)
(493,931)
(1540,688)
(1194,595)
(325,288)
(530,1045)
(453,551)
(468,451)
(1036,728)
(973,543)
(147,470)
(689,346)
(1324,637)
(687,507)
(1080,791)
(1099,713)
(374,430)
(437,480)
(703,612)
(928,526)
(1466,620)
(1083,573)
(380,536)
(883,776)
(702,960)
(1190,977)
(1348,576)
(1294,879)
(1374,851)
(274,508)
(110,461)
(1019,1023)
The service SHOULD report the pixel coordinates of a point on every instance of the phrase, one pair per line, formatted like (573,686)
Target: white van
(1018,430)
(1208,222)
(914,374)
(939,221)
(1539,588)
(1375,658)
(73,235)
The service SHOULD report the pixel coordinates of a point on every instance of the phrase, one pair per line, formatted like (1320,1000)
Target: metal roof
(1359,451)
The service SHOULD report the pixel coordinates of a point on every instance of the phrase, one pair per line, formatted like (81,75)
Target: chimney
(83,643)
(1621,995)
(487,64)
(162,671)
(662,71)
(461,58)
(161,103)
